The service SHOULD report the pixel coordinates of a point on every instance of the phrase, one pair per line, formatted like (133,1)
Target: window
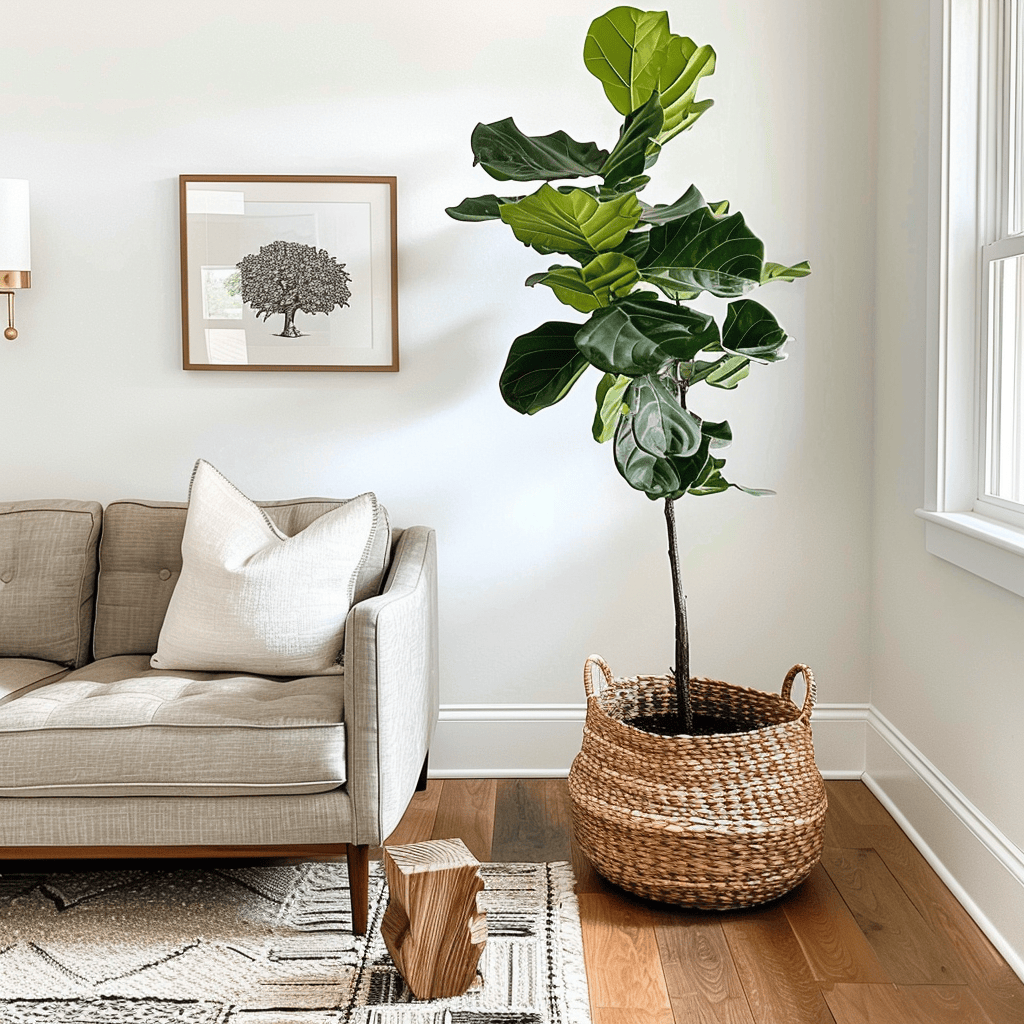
(975,500)
(1001,490)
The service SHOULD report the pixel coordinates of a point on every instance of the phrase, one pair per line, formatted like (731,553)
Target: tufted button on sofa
(104,755)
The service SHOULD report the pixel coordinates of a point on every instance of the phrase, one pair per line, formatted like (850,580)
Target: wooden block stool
(432,927)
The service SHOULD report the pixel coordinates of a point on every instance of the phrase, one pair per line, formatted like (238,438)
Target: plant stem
(684,706)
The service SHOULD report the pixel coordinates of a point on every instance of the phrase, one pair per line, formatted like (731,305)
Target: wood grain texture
(873,913)
(775,976)
(944,1004)
(532,821)
(626,1015)
(914,1004)
(910,951)
(845,824)
(831,940)
(622,956)
(358,858)
(699,971)
(466,810)
(432,927)
(997,989)
(866,1004)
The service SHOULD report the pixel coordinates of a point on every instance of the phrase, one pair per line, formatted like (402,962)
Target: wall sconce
(15,248)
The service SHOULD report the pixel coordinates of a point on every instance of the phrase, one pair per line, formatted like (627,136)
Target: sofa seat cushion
(97,732)
(19,675)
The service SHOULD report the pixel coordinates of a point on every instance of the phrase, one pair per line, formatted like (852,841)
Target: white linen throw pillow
(252,599)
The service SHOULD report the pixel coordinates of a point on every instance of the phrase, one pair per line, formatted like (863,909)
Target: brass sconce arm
(9,280)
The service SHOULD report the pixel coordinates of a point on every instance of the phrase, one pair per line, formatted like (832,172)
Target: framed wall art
(288,273)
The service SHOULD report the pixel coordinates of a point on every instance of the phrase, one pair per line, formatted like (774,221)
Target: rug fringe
(575,990)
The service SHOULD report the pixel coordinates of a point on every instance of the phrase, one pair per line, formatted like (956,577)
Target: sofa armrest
(391,686)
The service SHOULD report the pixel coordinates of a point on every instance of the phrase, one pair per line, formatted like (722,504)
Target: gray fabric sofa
(102,756)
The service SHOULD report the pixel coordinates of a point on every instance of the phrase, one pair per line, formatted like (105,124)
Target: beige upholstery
(161,735)
(140,561)
(250,598)
(63,823)
(19,675)
(48,579)
(368,729)
(390,678)
(386,699)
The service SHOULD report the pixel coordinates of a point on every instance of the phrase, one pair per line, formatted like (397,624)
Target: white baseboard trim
(981,867)
(974,859)
(506,741)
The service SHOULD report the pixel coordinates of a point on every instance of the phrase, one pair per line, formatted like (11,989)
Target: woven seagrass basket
(714,822)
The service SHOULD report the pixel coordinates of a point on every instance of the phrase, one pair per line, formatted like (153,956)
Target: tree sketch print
(285,277)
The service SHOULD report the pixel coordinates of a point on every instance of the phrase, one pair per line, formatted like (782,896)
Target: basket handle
(588,675)
(809,695)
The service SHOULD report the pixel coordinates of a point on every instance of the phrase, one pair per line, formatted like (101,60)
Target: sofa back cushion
(140,561)
(48,579)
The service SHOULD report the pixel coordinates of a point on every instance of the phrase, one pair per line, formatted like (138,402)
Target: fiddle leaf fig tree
(632,267)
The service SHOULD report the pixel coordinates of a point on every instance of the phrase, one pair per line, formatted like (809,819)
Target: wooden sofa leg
(359,886)
(421,785)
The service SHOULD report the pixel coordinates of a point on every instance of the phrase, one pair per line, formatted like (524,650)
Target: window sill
(989,549)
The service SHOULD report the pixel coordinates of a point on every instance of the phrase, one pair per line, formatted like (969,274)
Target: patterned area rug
(270,945)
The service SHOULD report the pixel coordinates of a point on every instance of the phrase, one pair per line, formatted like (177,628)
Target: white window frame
(961,525)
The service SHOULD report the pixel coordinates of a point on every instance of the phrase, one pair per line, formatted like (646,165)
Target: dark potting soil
(703,725)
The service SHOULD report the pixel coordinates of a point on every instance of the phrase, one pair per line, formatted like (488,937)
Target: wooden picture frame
(289,272)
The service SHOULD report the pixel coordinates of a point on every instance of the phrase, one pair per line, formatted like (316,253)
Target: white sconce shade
(15,243)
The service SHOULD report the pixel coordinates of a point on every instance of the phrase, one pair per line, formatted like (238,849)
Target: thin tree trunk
(290,330)
(684,706)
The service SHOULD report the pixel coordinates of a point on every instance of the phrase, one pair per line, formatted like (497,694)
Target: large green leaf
(725,373)
(690,468)
(610,406)
(701,252)
(628,159)
(606,277)
(686,204)
(553,221)
(720,433)
(752,331)
(661,426)
(626,185)
(711,481)
(657,478)
(683,66)
(542,367)
(625,50)
(669,477)
(777,272)
(506,153)
(478,208)
(634,244)
(635,336)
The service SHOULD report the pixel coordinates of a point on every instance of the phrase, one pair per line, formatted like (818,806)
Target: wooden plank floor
(872,937)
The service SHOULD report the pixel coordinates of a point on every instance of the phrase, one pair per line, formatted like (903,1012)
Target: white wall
(948,648)
(546,555)
(819,134)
